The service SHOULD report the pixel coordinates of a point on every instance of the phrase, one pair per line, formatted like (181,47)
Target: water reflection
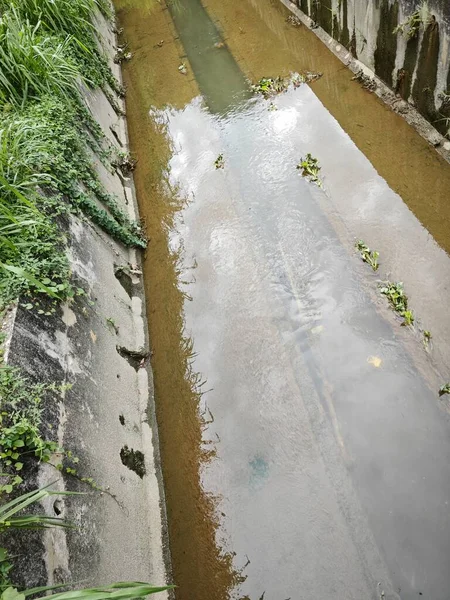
(301,368)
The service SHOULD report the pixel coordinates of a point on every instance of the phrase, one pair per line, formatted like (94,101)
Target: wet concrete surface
(305,450)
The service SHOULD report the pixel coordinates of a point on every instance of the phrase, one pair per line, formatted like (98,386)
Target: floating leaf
(375,361)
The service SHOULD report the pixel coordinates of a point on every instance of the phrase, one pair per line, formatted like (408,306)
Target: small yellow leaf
(374,361)
(93,337)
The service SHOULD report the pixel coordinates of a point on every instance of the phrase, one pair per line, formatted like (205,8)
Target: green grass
(33,64)
(116,591)
(45,170)
(12,517)
(58,16)
(28,240)
(63,158)
(47,48)
(21,426)
(47,137)
(71,22)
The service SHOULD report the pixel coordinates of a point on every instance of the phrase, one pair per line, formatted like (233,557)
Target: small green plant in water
(426,339)
(408,318)
(271,86)
(444,389)
(370,257)
(310,168)
(398,300)
(268,86)
(219,163)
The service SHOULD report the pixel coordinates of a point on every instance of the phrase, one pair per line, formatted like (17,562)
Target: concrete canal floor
(305,449)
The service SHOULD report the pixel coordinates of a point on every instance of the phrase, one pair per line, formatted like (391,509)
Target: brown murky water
(402,158)
(316,465)
(192,521)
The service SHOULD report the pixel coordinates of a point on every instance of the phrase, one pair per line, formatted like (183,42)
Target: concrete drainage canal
(282,431)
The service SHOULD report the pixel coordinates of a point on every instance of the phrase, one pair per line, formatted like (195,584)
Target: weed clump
(268,86)
(294,21)
(309,166)
(367,82)
(411,26)
(20,426)
(398,300)
(219,163)
(271,86)
(444,389)
(368,256)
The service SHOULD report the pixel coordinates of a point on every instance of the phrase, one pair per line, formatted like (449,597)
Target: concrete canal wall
(414,61)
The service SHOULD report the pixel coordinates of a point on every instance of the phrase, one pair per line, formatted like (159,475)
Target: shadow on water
(219,77)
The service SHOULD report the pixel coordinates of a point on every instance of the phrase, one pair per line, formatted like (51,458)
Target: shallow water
(305,452)
(294,354)
(217,73)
